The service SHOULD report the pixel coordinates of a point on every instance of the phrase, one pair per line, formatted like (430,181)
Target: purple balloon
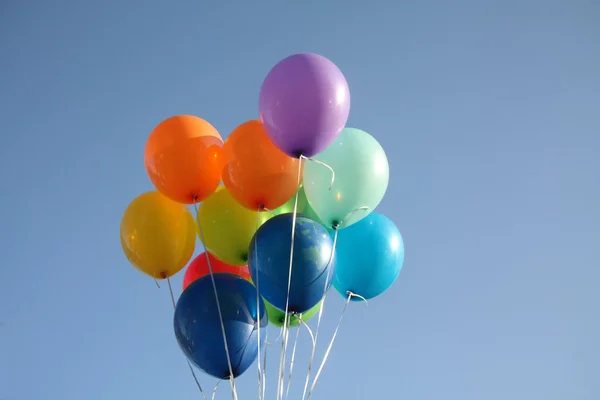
(304,104)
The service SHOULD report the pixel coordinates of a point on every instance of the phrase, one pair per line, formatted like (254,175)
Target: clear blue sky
(489,113)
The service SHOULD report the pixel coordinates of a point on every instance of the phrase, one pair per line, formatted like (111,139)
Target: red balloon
(199,268)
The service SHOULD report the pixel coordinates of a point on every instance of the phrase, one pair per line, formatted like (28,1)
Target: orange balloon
(255,171)
(182,158)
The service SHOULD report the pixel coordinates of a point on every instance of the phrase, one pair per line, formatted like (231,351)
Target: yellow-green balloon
(226,228)
(276,316)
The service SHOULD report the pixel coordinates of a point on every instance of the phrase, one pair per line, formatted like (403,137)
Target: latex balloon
(182,158)
(256,172)
(304,207)
(226,228)
(269,262)
(199,268)
(198,326)
(370,257)
(304,103)
(361,179)
(276,316)
(158,235)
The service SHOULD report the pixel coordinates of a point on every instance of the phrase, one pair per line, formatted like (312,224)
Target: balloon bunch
(291,182)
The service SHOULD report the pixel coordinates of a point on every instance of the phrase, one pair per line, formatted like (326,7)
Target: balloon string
(260,373)
(264,370)
(263,208)
(316,338)
(287,392)
(287,300)
(326,356)
(329,167)
(188,363)
(280,334)
(171,292)
(312,336)
(214,393)
(212,278)
(351,213)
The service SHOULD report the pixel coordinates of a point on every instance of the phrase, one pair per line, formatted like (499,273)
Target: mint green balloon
(361,178)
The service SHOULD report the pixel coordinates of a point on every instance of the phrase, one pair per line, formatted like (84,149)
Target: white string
(264,371)
(351,213)
(312,356)
(287,300)
(329,167)
(214,393)
(312,337)
(292,360)
(326,356)
(260,374)
(263,208)
(212,278)
(188,362)
(280,334)
(336,228)
(316,338)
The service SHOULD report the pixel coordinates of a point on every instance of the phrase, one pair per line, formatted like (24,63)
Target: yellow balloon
(158,235)
(228,227)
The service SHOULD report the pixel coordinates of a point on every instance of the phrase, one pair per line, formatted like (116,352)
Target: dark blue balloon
(370,257)
(269,261)
(198,328)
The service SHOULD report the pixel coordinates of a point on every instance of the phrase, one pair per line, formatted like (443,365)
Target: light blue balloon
(361,179)
(370,255)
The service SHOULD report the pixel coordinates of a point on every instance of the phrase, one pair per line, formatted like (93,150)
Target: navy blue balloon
(370,257)
(269,261)
(198,328)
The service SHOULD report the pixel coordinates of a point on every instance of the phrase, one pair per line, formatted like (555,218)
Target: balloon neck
(244,257)
(335,225)
(163,275)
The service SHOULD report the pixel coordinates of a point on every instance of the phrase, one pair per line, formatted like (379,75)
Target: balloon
(304,104)
(370,256)
(199,268)
(256,172)
(361,179)
(198,326)
(158,235)
(303,207)
(226,228)
(270,259)
(276,316)
(182,158)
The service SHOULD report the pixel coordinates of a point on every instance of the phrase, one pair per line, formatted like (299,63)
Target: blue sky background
(489,112)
